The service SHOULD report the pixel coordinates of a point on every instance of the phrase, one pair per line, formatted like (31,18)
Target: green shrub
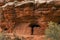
(4,37)
(53,31)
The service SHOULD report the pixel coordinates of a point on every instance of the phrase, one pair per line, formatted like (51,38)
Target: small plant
(1,36)
(53,31)
(4,37)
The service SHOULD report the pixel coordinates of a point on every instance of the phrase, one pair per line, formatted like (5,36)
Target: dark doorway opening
(33,25)
(5,29)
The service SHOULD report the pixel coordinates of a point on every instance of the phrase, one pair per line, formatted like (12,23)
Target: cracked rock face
(17,19)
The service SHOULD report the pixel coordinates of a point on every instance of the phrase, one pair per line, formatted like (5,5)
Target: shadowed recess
(32,25)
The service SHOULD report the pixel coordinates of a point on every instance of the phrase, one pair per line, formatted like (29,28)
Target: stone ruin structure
(28,18)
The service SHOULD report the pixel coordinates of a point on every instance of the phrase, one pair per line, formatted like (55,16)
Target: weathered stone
(21,17)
